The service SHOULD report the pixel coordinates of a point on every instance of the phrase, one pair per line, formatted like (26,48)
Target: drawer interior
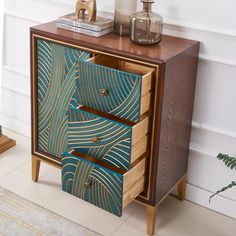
(139,127)
(120,64)
(98,162)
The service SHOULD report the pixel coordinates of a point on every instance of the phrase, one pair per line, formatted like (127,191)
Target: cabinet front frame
(55,161)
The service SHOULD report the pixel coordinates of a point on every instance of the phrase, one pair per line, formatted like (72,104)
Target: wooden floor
(6,143)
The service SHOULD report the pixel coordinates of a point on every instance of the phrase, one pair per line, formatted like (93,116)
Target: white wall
(1,44)
(214,126)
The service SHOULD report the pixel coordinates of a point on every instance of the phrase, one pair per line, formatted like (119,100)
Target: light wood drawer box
(114,86)
(101,184)
(114,140)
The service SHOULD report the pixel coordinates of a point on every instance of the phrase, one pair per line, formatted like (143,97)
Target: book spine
(84,31)
(84,25)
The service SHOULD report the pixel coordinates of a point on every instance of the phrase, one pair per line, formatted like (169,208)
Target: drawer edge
(135,173)
(139,149)
(145,103)
(133,192)
(140,130)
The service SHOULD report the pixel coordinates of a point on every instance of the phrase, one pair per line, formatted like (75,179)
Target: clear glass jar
(123,10)
(146,26)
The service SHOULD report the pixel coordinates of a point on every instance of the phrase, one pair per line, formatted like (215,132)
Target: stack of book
(102,25)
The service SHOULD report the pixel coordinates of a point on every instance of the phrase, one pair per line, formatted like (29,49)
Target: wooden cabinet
(113,115)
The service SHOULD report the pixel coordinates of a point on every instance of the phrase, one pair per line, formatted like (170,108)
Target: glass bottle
(146,26)
(123,10)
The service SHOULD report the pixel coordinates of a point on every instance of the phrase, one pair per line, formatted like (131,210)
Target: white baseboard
(16,125)
(220,204)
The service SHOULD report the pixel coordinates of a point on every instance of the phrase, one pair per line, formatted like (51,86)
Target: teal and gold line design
(124,90)
(114,139)
(57,72)
(95,184)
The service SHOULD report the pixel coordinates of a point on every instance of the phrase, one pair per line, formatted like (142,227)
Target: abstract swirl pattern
(57,72)
(97,185)
(123,90)
(114,139)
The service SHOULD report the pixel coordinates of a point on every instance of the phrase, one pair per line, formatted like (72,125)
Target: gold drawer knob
(95,140)
(88,184)
(103,92)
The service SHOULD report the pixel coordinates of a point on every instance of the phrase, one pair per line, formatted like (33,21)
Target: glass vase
(123,10)
(146,26)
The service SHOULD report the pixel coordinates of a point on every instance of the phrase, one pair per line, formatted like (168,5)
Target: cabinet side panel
(177,109)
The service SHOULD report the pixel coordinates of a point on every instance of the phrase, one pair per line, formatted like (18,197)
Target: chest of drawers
(113,115)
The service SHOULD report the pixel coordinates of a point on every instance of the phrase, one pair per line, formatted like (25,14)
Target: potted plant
(230,162)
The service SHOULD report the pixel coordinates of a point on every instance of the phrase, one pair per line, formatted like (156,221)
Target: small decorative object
(103,24)
(146,26)
(230,162)
(123,10)
(86,5)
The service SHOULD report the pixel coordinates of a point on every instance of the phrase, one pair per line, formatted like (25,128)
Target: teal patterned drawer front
(116,142)
(99,183)
(57,71)
(114,86)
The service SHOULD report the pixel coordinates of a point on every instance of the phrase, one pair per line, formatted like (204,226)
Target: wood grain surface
(113,44)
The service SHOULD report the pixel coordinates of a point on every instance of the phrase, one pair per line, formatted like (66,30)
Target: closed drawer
(55,83)
(101,184)
(114,86)
(116,141)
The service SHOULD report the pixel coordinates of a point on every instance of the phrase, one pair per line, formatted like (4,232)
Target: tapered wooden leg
(35,168)
(151,219)
(182,189)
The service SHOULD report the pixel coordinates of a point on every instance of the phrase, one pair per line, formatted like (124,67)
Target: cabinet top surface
(111,43)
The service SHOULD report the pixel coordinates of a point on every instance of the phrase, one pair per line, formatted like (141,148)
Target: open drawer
(115,86)
(101,184)
(106,137)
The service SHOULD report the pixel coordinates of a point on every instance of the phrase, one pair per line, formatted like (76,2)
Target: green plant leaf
(229,161)
(231,185)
